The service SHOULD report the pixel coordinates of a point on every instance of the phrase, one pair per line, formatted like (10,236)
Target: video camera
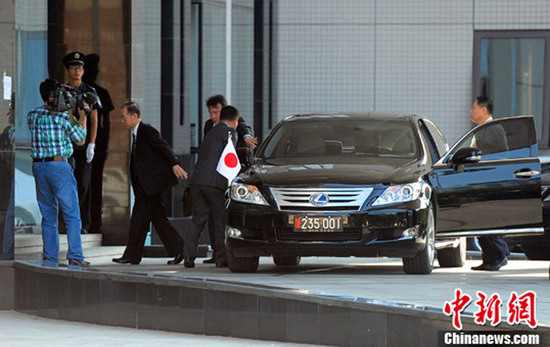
(66,98)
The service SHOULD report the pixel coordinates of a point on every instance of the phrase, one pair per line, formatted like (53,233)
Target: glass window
(209,64)
(346,141)
(513,137)
(436,138)
(31,57)
(511,69)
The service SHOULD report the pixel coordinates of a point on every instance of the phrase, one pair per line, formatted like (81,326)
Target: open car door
(490,182)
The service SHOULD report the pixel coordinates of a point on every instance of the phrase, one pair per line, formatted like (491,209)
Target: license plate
(318,224)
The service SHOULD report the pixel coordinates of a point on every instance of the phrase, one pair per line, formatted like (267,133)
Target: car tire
(453,256)
(537,249)
(242,264)
(422,262)
(286,261)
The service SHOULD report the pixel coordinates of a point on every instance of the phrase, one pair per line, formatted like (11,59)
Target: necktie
(132,158)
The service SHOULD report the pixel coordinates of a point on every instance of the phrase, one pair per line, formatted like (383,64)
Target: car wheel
(536,252)
(453,256)
(422,262)
(286,261)
(242,264)
(537,248)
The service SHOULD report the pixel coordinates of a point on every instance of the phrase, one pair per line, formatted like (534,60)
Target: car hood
(278,172)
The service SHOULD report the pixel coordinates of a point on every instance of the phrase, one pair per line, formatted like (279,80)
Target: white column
(228,23)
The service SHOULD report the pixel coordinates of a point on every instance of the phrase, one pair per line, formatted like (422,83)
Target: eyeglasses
(76,68)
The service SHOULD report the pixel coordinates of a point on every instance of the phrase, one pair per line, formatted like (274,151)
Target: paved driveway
(376,279)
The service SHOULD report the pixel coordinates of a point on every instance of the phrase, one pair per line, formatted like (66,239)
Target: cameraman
(83,155)
(52,133)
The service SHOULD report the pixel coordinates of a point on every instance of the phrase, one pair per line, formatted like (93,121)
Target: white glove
(90,152)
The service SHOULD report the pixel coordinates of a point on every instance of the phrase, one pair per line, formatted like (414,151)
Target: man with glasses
(154,168)
(83,155)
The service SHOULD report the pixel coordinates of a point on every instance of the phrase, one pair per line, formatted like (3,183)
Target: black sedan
(380,184)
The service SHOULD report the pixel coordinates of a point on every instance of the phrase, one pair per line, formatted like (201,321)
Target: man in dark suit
(154,168)
(101,143)
(245,132)
(492,139)
(208,188)
(245,139)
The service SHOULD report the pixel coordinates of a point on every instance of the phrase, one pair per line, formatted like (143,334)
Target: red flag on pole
(228,165)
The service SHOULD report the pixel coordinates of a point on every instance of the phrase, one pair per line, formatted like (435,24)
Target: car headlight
(247,193)
(399,193)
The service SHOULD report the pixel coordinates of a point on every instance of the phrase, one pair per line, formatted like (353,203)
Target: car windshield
(349,140)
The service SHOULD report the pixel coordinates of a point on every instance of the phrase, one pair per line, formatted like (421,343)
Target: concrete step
(29,247)
(95,255)
(32,243)
(102,254)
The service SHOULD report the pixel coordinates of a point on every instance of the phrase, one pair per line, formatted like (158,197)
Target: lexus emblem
(318,199)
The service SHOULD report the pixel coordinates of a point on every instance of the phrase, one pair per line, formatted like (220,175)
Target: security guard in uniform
(75,63)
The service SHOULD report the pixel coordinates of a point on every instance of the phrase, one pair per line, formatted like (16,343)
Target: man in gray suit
(208,188)
(491,139)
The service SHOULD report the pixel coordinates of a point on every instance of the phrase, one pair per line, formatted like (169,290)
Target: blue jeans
(56,188)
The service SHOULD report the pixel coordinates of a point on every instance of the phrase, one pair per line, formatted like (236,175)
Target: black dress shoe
(221,264)
(496,266)
(491,267)
(479,267)
(209,261)
(189,262)
(178,259)
(123,260)
(76,262)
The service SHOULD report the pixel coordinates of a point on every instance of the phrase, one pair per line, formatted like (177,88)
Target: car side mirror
(468,155)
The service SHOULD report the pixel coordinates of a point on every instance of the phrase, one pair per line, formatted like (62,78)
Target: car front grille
(339,199)
(349,234)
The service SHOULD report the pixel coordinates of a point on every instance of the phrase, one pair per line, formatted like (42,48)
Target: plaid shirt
(52,132)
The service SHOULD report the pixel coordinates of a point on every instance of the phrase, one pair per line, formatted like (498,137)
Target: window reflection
(6,186)
(511,73)
(518,142)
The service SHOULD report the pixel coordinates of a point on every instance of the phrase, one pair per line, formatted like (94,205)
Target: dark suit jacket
(152,161)
(492,139)
(205,172)
(242,130)
(103,120)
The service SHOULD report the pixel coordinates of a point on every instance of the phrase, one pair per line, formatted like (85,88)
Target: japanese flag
(228,165)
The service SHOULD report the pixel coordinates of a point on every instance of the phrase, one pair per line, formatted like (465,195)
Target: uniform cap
(74,58)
